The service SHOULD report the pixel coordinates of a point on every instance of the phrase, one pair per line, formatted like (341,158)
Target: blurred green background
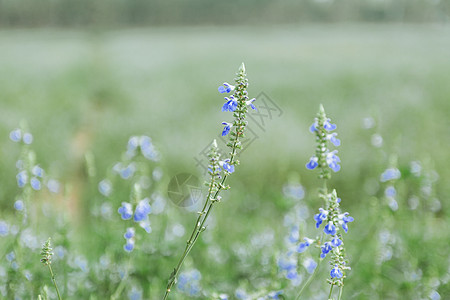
(86,75)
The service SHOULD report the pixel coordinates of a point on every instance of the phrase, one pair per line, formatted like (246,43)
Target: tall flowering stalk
(46,254)
(333,220)
(219,169)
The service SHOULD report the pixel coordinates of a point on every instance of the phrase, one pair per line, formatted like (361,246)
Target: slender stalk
(307,283)
(54,281)
(331,290)
(341,288)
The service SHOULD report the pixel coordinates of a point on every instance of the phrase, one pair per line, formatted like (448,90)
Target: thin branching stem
(54,281)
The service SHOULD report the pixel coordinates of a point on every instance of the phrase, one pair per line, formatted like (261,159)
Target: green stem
(341,288)
(331,290)
(308,281)
(54,281)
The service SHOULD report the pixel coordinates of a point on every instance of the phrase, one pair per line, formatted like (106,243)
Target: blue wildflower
(142,210)
(129,246)
(133,143)
(333,161)
(313,163)
(302,247)
(18,205)
(227,166)
(129,233)
(390,174)
(330,228)
(332,138)
(320,217)
(10,256)
(16,135)
(27,138)
(326,248)
(226,88)
(135,294)
(126,211)
(241,294)
(390,191)
(146,225)
(35,183)
(37,171)
(250,102)
(310,265)
(344,219)
(328,126)
(230,105)
(22,178)
(336,242)
(105,187)
(294,234)
(336,272)
(127,173)
(4,228)
(227,128)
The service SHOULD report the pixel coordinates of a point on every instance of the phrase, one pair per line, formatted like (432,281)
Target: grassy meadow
(84,93)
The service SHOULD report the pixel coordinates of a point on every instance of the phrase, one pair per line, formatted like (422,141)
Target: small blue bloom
(390,174)
(129,246)
(250,102)
(128,172)
(10,256)
(226,88)
(27,138)
(313,163)
(320,217)
(37,171)
(129,233)
(326,248)
(4,228)
(146,225)
(145,141)
(241,294)
(18,205)
(310,265)
(330,228)
(332,138)
(133,143)
(336,272)
(313,127)
(230,105)
(126,211)
(15,135)
(142,210)
(35,183)
(333,161)
(328,126)
(22,178)
(344,219)
(302,247)
(294,234)
(105,187)
(227,128)
(226,166)
(336,242)
(292,274)
(390,191)
(135,294)
(287,264)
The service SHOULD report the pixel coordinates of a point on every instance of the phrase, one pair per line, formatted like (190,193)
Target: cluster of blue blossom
(231,105)
(144,145)
(322,130)
(189,282)
(390,175)
(334,220)
(134,170)
(29,173)
(140,216)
